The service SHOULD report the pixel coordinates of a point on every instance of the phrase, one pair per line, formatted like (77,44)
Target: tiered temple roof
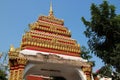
(48,34)
(47,41)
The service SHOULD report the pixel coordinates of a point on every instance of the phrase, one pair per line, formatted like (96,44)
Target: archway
(56,71)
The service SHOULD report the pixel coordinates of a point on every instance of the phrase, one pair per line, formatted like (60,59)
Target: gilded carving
(87,71)
(11,75)
(20,74)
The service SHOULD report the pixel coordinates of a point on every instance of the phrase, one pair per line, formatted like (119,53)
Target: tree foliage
(103,31)
(3,65)
(105,71)
(85,53)
(2,75)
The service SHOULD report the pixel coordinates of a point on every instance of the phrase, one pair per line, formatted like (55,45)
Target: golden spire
(12,48)
(51,10)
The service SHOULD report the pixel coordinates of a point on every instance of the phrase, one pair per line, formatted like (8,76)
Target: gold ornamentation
(20,74)
(22,61)
(12,49)
(52,20)
(11,77)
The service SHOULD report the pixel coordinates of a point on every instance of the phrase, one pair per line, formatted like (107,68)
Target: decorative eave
(51,19)
(49,36)
(52,44)
(50,28)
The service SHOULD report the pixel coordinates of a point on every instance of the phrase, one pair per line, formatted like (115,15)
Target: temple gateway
(47,52)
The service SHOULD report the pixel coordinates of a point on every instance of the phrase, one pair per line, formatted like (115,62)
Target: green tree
(2,75)
(85,53)
(3,65)
(103,32)
(105,71)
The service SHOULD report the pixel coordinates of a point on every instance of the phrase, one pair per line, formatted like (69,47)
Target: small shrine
(47,52)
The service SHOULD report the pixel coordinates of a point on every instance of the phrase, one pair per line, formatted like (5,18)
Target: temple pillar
(13,68)
(16,63)
(16,71)
(11,76)
(21,66)
(87,70)
(13,54)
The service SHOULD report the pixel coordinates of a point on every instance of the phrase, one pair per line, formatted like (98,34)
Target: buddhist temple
(47,52)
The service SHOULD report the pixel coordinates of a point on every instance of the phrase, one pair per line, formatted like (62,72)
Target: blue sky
(15,15)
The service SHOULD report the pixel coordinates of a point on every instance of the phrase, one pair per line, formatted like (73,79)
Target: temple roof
(48,34)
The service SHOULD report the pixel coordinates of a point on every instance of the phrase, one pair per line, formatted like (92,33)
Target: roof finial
(51,10)
(12,48)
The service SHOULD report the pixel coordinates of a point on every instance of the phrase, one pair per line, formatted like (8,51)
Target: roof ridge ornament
(51,14)
(12,48)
